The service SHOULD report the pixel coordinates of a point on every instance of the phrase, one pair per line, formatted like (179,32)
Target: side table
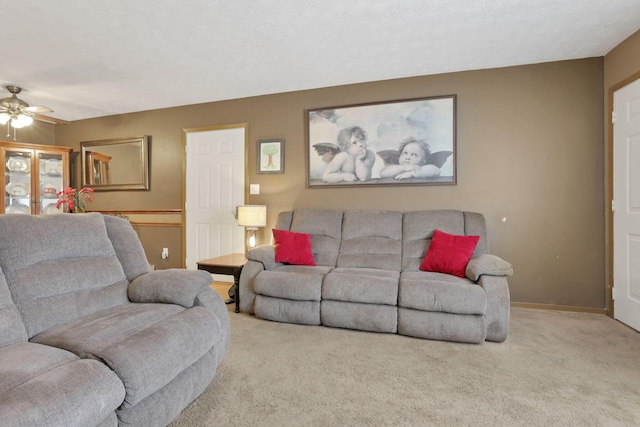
(227,264)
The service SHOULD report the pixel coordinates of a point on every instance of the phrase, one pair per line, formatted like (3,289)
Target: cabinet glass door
(50,181)
(17,172)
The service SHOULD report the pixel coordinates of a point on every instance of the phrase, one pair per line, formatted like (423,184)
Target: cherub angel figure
(348,161)
(412,160)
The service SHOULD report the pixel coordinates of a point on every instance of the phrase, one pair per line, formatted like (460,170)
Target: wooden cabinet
(33,175)
(99,171)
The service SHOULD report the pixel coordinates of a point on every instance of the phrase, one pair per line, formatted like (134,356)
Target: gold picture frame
(116,164)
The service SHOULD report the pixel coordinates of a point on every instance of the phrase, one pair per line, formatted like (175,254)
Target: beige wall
(621,66)
(38,133)
(529,148)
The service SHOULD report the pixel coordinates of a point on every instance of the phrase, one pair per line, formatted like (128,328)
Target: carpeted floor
(555,369)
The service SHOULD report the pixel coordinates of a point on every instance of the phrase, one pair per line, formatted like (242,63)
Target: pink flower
(75,200)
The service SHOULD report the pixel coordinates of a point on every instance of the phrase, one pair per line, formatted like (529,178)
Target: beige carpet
(555,369)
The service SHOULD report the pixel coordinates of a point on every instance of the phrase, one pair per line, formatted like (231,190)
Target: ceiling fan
(19,114)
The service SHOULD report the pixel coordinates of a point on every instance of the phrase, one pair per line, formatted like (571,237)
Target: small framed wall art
(271,156)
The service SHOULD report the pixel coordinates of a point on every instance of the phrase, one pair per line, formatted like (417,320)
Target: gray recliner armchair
(90,336)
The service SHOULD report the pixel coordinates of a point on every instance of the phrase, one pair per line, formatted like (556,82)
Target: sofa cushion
(449,253)
(294,282)
(428,291)
(325,228)
(42,385)
(287,311)
(363,317)
(417,231)
(418,228)
(163,406)
(64,268)
(371,239)
(21,362)
(11,327)
(435,325)
(127,245)
(475,225)
(147,345)
(292,248)
(362,285)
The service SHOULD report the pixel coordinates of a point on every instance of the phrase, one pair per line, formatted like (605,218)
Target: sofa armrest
(212,301)
(265,254)
(246,291)
(173,286)
(498,311)
(489,265)
(259,259)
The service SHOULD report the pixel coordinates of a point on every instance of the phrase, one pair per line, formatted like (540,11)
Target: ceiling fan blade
(15,107)
(48,119)
(38,109)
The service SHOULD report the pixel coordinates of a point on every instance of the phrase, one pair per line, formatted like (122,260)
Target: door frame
(185,133)
(610,196)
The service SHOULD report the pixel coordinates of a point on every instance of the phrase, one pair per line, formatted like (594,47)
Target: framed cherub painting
(409,142)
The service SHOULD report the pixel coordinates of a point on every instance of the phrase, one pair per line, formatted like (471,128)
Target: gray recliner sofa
(89,336)
(367,277)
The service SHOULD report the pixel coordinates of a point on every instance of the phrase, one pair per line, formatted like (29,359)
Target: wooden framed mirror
(116,164)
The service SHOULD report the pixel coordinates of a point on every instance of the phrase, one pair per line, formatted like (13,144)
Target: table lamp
(251,217)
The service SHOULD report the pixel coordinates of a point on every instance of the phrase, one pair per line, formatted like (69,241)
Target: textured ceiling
(93,58)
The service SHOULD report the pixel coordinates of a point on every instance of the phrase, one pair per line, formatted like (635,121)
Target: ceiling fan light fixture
(21,120)
(17,113)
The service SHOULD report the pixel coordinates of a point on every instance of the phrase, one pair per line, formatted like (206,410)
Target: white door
(626,193)
(214,187)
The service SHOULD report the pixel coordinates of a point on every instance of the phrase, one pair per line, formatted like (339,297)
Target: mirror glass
(116,164)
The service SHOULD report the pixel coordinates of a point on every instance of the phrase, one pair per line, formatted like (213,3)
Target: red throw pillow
(293,248)
(449,253)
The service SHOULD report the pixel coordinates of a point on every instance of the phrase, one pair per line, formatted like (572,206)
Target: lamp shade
(252,215)
(21,120)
